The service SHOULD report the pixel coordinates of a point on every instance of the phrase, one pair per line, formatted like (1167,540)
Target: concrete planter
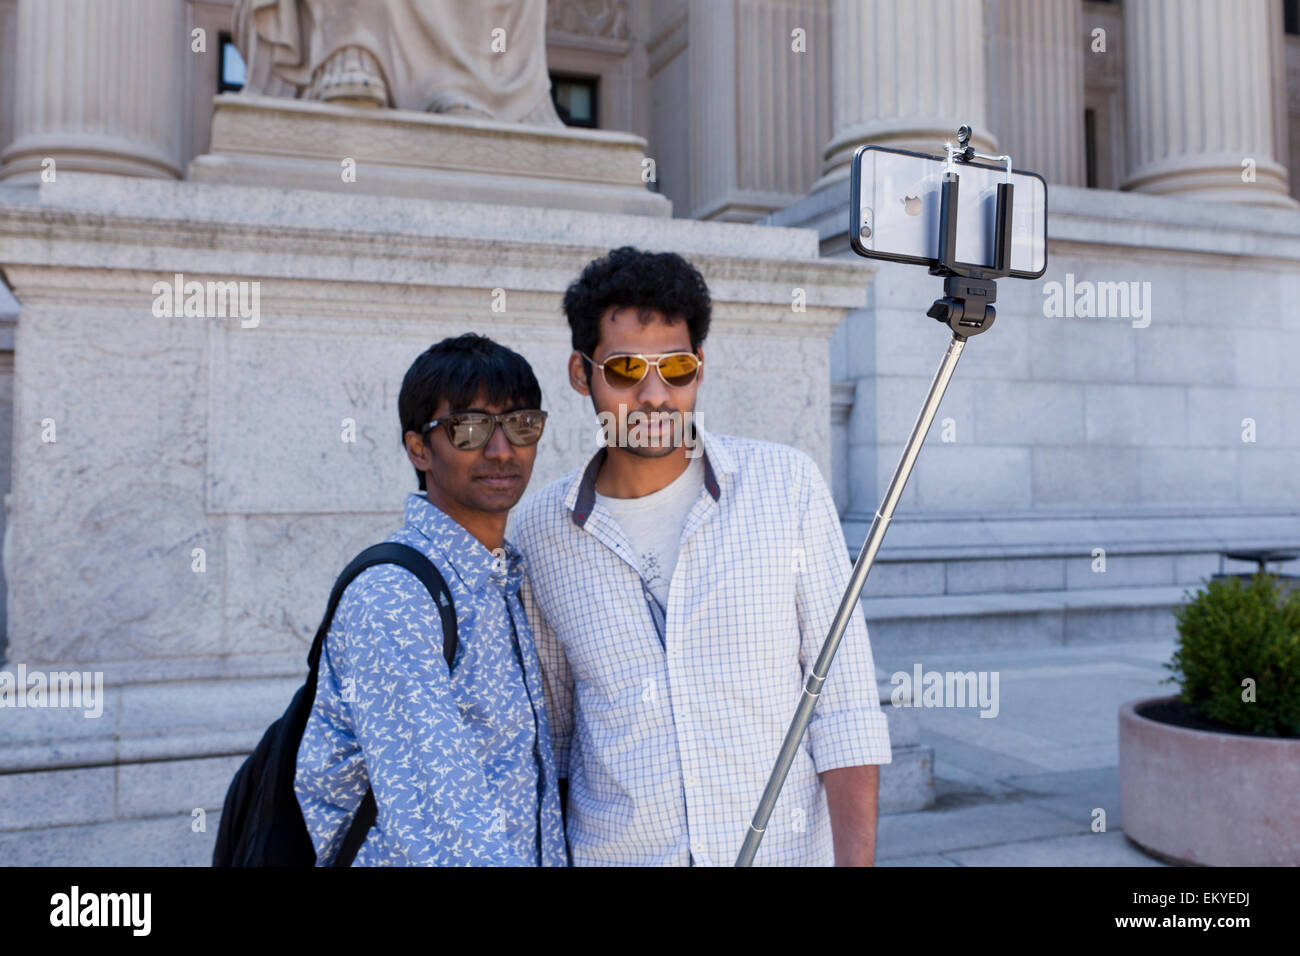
(1213,799)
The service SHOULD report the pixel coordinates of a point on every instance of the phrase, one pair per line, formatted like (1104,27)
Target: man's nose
(498,447)
(652,390)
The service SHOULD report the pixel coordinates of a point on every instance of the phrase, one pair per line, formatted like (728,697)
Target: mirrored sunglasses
(472,430)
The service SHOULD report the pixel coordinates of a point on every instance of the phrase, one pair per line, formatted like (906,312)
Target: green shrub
(1235,629)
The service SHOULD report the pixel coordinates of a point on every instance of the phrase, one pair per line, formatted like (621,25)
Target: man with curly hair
(680,585)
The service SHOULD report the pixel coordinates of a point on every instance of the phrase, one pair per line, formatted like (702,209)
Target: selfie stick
(967,309)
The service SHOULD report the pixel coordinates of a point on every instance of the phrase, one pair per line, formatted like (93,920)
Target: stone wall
(1162,436)
(186,433)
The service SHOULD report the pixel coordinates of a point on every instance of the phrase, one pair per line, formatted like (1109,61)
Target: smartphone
(894,209)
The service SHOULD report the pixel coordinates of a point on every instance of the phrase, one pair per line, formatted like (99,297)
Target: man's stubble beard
(651,451)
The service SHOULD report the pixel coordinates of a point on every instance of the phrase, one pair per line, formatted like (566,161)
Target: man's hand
(851,797)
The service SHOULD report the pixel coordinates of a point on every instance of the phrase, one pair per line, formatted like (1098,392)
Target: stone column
(711,71)
(98,88)
(758,104)
(1036,71)
(906,74)
(783,98)
(8,66)
(1199,100)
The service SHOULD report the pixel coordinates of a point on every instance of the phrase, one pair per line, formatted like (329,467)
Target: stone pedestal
(296,144)
(223,435)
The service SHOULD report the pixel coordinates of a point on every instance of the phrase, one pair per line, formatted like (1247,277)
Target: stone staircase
(943,583)
(143,784)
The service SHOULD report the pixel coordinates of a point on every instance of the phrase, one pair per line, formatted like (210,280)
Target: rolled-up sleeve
(848,728)
(435,805)
(557,678)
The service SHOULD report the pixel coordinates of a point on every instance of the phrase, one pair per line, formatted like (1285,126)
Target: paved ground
(1020,789)
(1023,788)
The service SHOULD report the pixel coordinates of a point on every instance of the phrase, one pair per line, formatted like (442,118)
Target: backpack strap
(389,552)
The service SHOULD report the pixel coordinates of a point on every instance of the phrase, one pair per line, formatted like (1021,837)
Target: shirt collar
(473,563)
(581,494)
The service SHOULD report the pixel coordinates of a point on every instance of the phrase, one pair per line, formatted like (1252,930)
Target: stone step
(156,841)
(952,555)
(61,770)
(133,806)
(144,723)
(188,789)
(900,626)
(184,838)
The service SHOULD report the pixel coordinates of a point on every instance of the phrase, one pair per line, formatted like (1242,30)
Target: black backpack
(261,822)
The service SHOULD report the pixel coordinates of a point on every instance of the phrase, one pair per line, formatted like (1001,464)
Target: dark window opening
(230,66)
(1291,17)
(1090,148)
(575,99)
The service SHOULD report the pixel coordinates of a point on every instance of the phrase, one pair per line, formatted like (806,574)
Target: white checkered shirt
(667,739)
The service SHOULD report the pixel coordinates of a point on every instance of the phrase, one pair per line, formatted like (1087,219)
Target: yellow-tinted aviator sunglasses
(676,369)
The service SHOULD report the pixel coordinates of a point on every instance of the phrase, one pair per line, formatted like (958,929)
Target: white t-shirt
(653,524)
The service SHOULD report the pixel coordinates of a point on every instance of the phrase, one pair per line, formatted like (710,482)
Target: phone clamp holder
(969,291)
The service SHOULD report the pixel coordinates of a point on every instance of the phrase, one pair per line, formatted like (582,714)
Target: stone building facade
(750,111)
(1083,470)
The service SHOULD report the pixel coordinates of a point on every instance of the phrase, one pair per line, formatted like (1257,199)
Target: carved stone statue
(482,58)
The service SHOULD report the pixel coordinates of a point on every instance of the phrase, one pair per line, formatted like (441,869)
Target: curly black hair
(457,369)
(631,278)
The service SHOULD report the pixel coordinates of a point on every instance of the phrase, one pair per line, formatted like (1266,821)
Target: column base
(24,161)
(1214,178)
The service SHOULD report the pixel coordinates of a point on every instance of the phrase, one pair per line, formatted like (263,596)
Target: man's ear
(578,374)
(699,353)
(417,450)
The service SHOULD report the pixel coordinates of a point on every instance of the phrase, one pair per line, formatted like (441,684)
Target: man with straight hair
(459,758)
(680,585)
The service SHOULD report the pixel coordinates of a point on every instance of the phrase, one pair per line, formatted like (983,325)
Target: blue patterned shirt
(461,764)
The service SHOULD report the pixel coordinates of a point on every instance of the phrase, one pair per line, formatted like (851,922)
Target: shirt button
(691,781)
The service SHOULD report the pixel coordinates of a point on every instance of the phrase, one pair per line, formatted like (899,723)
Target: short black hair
(457,369)
(631,278)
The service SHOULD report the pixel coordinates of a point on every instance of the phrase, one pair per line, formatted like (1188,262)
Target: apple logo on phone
(911,205)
